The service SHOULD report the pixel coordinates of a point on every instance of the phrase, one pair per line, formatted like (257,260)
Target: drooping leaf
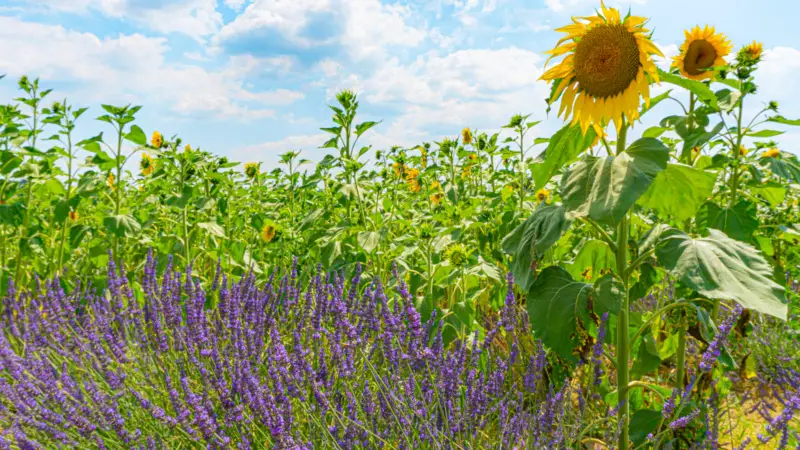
(678,191)
(604,189)
(562,149)
(122,225)
(137,136)
(556,305)
(738,222)
(786,166)
(608,291)
(530,240)
(773,193)
(368,240)
(719,267)
(699,89)
(212,228)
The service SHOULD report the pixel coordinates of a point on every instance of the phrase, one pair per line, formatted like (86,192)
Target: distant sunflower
(423,157)
(436,198)
(147,165)
(771,153)
(703,49)
(268,232)
(742,151)
(414,186)
(157,140)
(412,174)
(435,185)
(251,170)
(456,254)
(466,136)
(110,180)
(472,157)
(188,148)
(543,195)
(608,67)
(73,216)
(398,168)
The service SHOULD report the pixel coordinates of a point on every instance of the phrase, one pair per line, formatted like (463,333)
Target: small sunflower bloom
(157,140)
(435,185)
(147,165)
(398,169)
(742,150)
(473,157)
(771,153)
(751,53)
(187,149)
(110,180)
(456,254)
(436,198)
(414,186)
(543,195)
(466,136)
(607,69)
(251,170)
(268,232)
(703,49)
(73,216)
(412,174)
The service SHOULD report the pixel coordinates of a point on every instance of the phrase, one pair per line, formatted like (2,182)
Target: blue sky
(250,78)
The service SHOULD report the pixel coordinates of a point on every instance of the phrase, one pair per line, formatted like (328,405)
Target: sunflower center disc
(606,61)
(699,56)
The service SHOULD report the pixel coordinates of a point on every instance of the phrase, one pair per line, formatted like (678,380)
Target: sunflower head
(110,180)
(771,153)
(73,216)
(608,67)
(157,140)
(414,186)
(436,198)
(268,232)
(472,157)
(751,54)
(147,165)
(251,170)
(412,173)
(426,230)
(466,136)
(187,149)
(456,254)
(742,150)
(423,157)
(702,50)
(398,168)
(543,195)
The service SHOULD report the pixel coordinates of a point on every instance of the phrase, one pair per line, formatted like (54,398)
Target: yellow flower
(412,174)
(110,180)
(157,140)
(147,165)
(435,185)
(753,51)
(188,148)
(268,232)
(424,158)
(466,172)
(456,254)
(436,198)
(251,170)
(472,156)
(543,195)
(398,168)
(73,216)
(703,49)
(607,69)
(742,151)
(413,185)
(771,153)
(466,136)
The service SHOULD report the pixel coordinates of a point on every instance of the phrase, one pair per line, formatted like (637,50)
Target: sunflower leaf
(703,92)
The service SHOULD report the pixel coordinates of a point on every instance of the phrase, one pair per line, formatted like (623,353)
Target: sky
(250,79)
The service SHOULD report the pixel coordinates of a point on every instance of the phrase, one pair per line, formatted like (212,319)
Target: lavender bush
(234,365)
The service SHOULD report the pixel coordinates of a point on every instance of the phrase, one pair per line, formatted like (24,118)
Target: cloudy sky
(250,78)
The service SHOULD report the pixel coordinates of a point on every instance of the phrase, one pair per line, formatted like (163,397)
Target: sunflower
(703,49)
(398,168)
(423,157)
(543,195)
(412,174)
(456,254)
(436,198)
(414,186)
(268,232)
(73,216)
(771,153)
(110,180)
(472,157)
(742,151)
(608,67)
(466,136)
(157,140)
(435,185)
(251,170)
(752,52)
(187,149)
(147,165)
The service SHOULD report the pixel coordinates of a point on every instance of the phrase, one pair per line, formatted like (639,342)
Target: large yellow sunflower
(703,49)
(608,67)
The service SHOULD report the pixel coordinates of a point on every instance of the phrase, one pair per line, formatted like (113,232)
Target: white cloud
(134,68)
(269,152)
(571,5)
(195,18)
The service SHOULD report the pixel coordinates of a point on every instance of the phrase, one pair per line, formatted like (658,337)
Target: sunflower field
(612,286)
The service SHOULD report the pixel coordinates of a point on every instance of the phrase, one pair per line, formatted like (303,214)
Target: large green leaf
(557,304)
(678,191)
(604,189)
(122,225)
(531,239)
(738,222)
(785,166)
(595,256)
(722,268)
(772,192)
(699,88)
(608,291)
(563,148)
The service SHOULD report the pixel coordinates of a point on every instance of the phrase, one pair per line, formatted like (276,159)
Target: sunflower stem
(623,351)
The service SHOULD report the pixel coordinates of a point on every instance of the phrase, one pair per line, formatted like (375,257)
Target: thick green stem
(623,350)
(681,352)
(28,196)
